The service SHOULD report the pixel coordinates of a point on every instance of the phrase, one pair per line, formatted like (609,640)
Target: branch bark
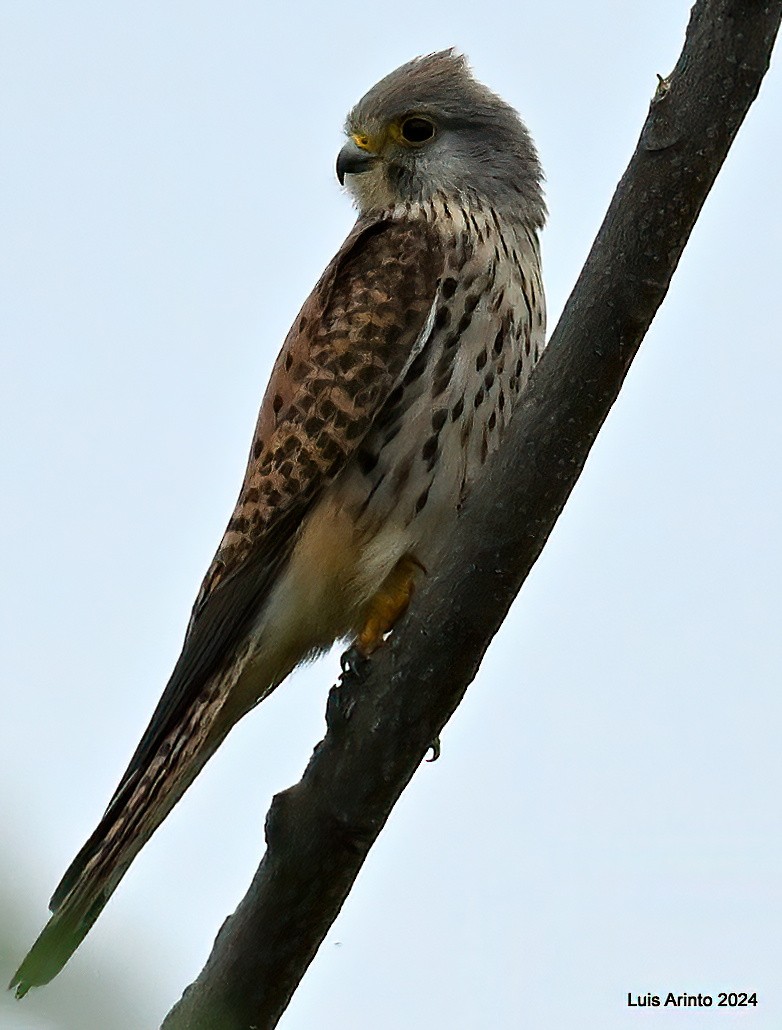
(379,727)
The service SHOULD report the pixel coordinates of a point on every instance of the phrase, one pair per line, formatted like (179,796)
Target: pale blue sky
(605,815)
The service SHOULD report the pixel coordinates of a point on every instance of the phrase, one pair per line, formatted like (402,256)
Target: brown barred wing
(340,361)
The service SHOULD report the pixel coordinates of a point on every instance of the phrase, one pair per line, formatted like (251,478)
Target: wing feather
(346,351)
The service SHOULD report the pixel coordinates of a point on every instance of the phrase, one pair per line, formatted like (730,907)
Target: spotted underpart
(437,429)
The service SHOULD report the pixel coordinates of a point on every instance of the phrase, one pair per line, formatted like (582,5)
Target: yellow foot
(389,604)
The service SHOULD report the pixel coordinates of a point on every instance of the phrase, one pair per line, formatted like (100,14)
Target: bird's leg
(383,612)
(389,604)
(385,609)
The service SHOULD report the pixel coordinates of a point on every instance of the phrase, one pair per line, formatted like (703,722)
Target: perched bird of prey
(395,384)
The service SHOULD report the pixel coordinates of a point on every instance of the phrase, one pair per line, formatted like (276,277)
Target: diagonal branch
(380,726)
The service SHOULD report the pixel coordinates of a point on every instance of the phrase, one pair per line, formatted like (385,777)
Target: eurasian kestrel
(393,387)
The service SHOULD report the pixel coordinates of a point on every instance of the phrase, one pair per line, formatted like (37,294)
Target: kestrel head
(431,127)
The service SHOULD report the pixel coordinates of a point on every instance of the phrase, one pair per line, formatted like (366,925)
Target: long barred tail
(143,800)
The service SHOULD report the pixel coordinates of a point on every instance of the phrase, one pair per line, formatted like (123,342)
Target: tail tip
(19,984)
(55,944)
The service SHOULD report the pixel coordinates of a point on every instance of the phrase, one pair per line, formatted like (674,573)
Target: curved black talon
(353,663)
(435,749)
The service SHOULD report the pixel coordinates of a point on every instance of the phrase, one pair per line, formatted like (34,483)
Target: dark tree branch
(379,727)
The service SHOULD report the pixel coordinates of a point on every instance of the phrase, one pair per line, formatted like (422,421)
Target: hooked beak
(352,160)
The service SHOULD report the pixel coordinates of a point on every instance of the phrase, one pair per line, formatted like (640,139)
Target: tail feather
(140,805)
(58,940)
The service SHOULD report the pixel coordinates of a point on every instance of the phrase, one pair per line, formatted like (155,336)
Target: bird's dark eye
(416,130)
